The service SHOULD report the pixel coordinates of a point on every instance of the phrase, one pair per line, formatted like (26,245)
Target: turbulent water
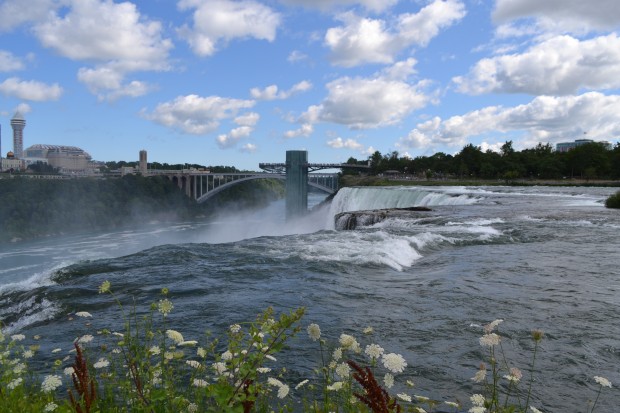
(537,257)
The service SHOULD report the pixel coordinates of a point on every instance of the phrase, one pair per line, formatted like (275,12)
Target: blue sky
(223,82)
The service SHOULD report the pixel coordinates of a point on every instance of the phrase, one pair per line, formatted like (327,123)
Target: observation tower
(18,123)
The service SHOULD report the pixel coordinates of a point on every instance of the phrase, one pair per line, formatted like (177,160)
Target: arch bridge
(202,185)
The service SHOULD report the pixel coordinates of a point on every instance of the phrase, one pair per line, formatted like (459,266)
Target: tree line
(587,161)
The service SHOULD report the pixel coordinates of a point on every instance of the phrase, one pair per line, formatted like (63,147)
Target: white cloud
(370,102)
(247,119)
(544,119)
(13,13)
(114,34)
(305,130)
(361,40)
(373,5)
(106,31)
(364,40)
(217,21)
(271,92)
(248,148)
(339,143)
(561,15)
(230,139)
(23,108)
(560,65)
(296,56)
(196,115)
(30,90)
(10,63)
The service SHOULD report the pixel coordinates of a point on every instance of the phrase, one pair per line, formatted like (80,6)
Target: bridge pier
(296,183)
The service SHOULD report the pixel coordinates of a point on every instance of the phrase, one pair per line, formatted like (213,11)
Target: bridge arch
(282,177)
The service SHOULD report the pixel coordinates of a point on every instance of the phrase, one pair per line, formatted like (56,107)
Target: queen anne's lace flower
(165,306)
(175,336)
(374,351)
(489,340)
(343,370)
(492,325)
(301,384)
(477,400)
(86,338)
(235,328)
(200,383)
(283,391)
(193,363)
(404,397)
(394,362)
(335,386)
(388,380)
(602,381)
(314,331)
(104,287)
(50,407)
(101,363)
(51,383)
(14,383)
(18,337)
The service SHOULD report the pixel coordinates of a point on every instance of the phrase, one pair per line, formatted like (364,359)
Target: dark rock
(356,219)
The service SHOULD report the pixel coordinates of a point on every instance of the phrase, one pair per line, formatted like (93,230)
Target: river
(537,257)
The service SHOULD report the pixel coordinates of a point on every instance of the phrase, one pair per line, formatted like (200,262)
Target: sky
(236,83)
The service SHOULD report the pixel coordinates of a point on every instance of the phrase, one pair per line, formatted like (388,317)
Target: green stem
(595,401)
(529,390)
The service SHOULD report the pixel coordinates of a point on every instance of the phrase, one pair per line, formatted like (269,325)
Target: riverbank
(351,180)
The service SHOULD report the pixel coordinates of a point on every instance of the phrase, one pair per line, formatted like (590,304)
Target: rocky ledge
(355,219)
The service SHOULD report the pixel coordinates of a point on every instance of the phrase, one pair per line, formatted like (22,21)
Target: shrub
(613,201)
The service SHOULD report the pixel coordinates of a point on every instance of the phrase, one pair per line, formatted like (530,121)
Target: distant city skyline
(222,82)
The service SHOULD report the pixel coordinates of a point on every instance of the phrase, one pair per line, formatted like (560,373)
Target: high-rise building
(143,164)
(18,123)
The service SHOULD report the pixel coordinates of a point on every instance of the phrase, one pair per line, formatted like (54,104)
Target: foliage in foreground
(149,367)
(613,201)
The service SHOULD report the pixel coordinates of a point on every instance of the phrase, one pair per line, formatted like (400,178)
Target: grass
(613,201)
(150,367)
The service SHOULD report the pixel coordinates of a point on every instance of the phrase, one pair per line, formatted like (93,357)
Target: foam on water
(32,313)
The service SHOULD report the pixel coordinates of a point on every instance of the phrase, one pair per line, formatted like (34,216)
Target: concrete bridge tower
(296,183)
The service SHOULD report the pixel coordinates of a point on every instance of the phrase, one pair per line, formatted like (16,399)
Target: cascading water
(369,198)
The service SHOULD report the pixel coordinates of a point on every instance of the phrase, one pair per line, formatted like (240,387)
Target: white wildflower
(337,354)
(104,287)
(420,410)
(14,383)
(314,331)
(602,381)
(68,371)
(19,368)
(219,367)
(535,410)
(187,343)
(192,408)
(343,370)
(301,384)
(86,338)
(18,337)
(50,407)
(200,383)
(270,357)
(165,306)
(374,351)
(489,340)
(368,330)
(155,350)
(263,370)
(480,375)
(388,380)
(394,362)
(335,386)
(227,355)
(51,383)
(101,363)
(83,314)
(57,350)
(283,391)
(514,376)
(28,354)
(477,400)
(201,352)
(492,326)
(423,399)
(452,404)
(175,336)
(235,328)
(404,397)
(193,363)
